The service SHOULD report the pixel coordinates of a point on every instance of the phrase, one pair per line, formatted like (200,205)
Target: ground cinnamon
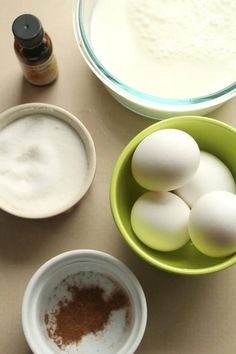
(87,312)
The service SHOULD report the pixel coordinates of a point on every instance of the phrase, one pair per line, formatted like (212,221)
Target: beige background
(194,315)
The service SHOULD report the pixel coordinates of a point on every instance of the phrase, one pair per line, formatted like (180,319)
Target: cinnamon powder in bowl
(84,301)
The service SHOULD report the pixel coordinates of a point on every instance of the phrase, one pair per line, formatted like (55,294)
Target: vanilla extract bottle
(34,50)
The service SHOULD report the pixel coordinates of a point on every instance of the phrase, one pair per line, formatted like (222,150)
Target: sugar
(43,163)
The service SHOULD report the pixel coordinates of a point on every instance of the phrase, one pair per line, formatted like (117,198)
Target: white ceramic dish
(45,289)
(149,106)
(32,109)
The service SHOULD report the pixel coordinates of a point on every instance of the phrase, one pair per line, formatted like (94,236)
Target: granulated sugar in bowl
(84,301)
(47,160)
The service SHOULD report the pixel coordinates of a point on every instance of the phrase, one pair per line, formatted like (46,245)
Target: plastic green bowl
(211,135)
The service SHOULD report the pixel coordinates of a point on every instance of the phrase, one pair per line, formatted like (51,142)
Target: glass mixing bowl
(147,105)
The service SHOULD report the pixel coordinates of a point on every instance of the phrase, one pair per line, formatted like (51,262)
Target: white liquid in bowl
(43,164)
(172,49)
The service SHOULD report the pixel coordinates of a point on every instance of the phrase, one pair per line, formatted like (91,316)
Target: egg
(160,220)
(165,160)
(212,224)
(211,175)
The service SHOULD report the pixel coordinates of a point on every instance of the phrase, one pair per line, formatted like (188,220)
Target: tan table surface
(186,315)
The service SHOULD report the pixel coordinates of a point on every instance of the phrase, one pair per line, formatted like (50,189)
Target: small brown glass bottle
(33,48)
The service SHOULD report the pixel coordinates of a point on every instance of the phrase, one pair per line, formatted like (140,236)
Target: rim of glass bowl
(128,92)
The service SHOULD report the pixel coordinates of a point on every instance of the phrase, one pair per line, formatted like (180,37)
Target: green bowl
(211,135)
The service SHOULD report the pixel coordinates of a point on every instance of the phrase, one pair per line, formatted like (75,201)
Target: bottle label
(41,74)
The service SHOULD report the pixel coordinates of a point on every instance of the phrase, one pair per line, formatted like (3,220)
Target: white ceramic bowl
(150,106)
(46,289)
(31,109)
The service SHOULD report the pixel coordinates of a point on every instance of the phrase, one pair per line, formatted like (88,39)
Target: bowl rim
(19,111)
(76,256)
(229,261)
(133,95)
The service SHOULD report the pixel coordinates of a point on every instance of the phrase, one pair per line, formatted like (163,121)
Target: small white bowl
(32,109)
(46,289)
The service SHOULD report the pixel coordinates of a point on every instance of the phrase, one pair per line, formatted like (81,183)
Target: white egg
(160,220)
(212,224)
(165,160)
(211,175)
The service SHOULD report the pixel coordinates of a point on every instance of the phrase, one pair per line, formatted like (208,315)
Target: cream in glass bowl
(161,58)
